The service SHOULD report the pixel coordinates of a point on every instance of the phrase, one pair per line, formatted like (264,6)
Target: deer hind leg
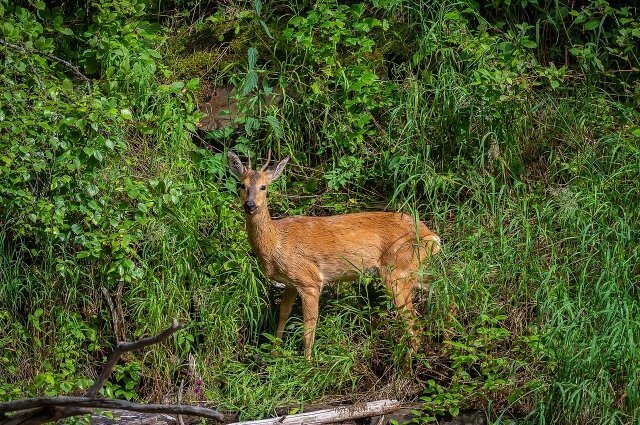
(400,284)
(288,298)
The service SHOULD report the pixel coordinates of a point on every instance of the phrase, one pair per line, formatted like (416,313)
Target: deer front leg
(288,298)
(310,298)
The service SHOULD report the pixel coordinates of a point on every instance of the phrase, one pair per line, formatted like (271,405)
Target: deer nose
(250,207)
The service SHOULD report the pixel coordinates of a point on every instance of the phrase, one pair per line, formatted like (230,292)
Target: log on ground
(338,414)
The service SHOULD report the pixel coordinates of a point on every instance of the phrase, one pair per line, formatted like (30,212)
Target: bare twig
(122,348)
(68,64)
(66,406)
(117,315)
(118,300)
(114,314)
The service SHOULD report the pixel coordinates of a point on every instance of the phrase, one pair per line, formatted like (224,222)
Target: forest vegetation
(510,127)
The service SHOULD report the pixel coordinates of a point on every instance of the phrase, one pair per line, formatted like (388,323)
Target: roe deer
(305,253)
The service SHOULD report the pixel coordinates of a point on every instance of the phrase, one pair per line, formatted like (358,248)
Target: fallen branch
(61,403)
(39,410)
(338,414)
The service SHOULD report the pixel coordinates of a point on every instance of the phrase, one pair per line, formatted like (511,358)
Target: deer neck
(262,235)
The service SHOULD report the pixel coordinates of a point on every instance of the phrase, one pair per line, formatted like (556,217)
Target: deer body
(335,248)
(306,253)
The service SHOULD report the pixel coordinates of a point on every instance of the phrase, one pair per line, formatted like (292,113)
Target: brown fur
(306,253)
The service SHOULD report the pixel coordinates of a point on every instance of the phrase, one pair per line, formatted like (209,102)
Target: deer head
(252,184)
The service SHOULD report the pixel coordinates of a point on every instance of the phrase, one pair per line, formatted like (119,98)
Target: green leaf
(176,86)
(250,83)
(529,44)
(67,84)
(192,84)
(315,87)
(251,124)
(591,25)
(454,16)
(91,66)
(92,189)
(126,114)
(265,28)
(275,125)
(252,57)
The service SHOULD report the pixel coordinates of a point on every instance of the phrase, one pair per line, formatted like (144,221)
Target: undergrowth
(511,128)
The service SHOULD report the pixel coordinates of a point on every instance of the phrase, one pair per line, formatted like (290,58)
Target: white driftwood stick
(338,414)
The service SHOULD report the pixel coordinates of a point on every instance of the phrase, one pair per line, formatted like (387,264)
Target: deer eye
(263,187)
(241,186)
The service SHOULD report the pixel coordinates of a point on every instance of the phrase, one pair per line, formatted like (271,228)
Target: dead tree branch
(39,410)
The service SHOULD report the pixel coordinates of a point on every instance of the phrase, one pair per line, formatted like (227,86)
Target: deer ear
(275,172)
(235,165)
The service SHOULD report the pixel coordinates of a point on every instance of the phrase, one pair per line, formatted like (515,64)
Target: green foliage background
(510,127)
